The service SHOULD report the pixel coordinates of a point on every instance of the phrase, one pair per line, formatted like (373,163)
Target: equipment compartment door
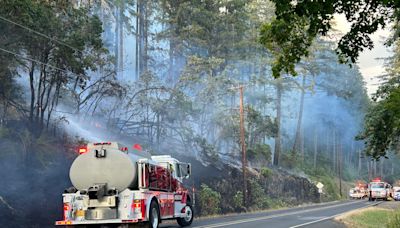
(167,205)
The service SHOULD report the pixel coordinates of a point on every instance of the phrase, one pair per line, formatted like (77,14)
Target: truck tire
(154,215)
(188,219)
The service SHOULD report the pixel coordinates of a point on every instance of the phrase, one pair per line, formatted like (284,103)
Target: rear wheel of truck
(188,219)
(154,219)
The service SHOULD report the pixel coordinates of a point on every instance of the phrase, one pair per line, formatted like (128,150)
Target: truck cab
(379,190)
(180,170)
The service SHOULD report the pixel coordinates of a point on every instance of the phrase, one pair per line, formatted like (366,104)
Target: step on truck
(114,185)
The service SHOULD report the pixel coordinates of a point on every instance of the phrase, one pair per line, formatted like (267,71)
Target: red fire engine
(115,185)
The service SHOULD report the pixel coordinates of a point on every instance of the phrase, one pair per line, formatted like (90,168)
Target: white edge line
(330,217)
(222,224)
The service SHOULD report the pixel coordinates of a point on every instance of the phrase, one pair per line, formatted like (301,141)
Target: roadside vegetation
(371,218)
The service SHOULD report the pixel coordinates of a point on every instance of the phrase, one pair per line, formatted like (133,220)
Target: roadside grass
(371,218)
(394,220)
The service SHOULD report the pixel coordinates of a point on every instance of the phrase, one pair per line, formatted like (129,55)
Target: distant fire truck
(379,189)
(360,191)
(113,185)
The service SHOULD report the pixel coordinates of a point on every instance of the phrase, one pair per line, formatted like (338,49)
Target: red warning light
(377,179)
(82,150)
(137,147)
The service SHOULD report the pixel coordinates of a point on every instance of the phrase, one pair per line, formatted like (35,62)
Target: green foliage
(207,151)
(274,203)
(287,49)
(209,200)
(381,123)
(394,220)
(257,197)
(56,63)
(323,173)
(4,132)
(289,160)
(370,218)
(259,126)
(298,23)
(266,172)
(330,187)
(380,130)
(237,201)
(260,153)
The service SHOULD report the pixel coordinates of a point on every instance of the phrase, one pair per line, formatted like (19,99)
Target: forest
(167,74)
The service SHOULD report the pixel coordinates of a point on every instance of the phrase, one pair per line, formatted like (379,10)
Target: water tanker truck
(114,185)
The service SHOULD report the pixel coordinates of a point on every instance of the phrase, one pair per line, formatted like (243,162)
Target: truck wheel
(188,219)
(154,212)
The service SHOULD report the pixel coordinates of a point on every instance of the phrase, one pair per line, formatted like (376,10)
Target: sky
(370,61)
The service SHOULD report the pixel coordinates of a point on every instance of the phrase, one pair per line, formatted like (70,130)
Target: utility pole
(243,144)
(340,169)
(315,148)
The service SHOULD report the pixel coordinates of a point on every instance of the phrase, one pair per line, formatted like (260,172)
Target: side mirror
(188,170)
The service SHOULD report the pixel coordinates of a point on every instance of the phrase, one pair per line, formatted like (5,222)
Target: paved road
(310,216)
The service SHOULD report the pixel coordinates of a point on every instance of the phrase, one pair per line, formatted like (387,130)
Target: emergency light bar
(82,150)
(137,147)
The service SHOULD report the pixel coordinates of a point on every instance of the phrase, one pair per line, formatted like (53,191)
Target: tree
(298,23)
(52,63)
(380,131)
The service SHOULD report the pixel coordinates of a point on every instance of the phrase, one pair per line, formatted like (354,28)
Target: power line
(37,61)
(40,34)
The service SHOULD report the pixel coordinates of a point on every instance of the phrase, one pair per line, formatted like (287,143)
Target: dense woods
(166,74)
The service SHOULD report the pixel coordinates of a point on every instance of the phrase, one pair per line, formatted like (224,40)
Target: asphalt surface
(309,216)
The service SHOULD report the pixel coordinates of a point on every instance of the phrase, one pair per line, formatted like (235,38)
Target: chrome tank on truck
(107,164)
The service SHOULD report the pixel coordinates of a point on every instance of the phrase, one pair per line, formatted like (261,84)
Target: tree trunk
(121,38)
(116,37)
(32,86)
(392,169)
(359,162)
(137,54)
(142,58)
(340,160)
(299,120)
(369,165)
(171,73)
(38,93)
(334,152)
(145,36)
(277,151)
(315,148)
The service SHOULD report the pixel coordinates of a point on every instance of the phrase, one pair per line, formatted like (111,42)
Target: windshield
(377,185)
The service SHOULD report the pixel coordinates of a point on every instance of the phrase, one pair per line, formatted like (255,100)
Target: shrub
(260,153)
(257,195)
(266,172)
(237,201)
(209,201)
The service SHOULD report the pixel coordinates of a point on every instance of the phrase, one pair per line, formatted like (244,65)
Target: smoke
(166,124)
